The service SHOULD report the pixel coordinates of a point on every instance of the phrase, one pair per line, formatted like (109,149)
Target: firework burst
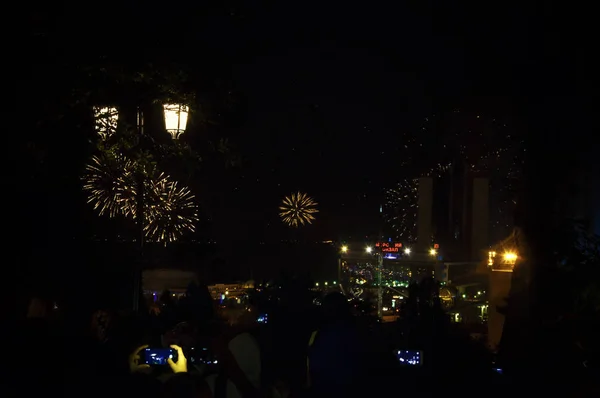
(168,209)
(401,205)
(171,212)
(455,140)
(297,209)
(108,180)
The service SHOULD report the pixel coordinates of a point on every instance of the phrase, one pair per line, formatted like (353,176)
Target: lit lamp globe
(106,119)
(176,117)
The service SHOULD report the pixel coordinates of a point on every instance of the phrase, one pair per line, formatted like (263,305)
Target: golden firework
(297,209)
(108,180)
(171,212)
(112,183)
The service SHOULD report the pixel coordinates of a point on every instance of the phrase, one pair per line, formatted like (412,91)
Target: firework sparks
(401,205)
(482,144)
(298,209)
(107,180)
(169,210)
(171,213)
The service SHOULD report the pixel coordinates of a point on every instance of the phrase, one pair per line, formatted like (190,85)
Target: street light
(407,251)
(432,252)
(369,249)
(344,249)
(510,258)
(176,117)
(106,119)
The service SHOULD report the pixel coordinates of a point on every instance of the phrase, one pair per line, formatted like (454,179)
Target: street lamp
(407,251)
(510,258)
(106,119)
(344,249)
(507,261)
(176,117)
(369,249)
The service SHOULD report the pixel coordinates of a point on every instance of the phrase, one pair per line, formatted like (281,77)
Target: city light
(369,249)
(317,284)
(176,117)
(510,257)
(491,256)
(344,249)
(407,251)
(433,252)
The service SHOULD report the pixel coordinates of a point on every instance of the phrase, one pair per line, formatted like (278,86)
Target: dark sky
(330,91)
(331,94)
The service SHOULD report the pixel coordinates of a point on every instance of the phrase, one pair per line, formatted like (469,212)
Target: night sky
(333,95)
(330,94)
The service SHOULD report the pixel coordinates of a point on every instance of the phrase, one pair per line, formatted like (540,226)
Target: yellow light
(317,284)
(407,251)
(369,249)
(176,116)
(491,256)
(510,257)
(325,283)
(344,249)
(433,252)
(105,121)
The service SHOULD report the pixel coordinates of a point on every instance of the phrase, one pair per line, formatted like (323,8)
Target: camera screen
(410,357)
(157,356)
(263,318)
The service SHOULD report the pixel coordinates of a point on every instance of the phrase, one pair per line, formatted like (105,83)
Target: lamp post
(105,123)
(139,203)
(379,283)
(343,250)
(501,266)
(379,258)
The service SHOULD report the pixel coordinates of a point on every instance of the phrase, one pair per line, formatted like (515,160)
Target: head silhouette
(335,307)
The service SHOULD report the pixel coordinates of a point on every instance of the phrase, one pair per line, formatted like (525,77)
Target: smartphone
(410,357)
(264,318)
(158,356)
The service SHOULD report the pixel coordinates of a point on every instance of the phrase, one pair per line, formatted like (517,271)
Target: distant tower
(424,217)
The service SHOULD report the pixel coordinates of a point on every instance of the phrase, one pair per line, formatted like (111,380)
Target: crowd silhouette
(311,345)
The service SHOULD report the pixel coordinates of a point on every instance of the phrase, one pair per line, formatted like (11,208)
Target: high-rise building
(424,214)
(461,215)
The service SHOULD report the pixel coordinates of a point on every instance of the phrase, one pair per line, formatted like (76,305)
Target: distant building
(229,290)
